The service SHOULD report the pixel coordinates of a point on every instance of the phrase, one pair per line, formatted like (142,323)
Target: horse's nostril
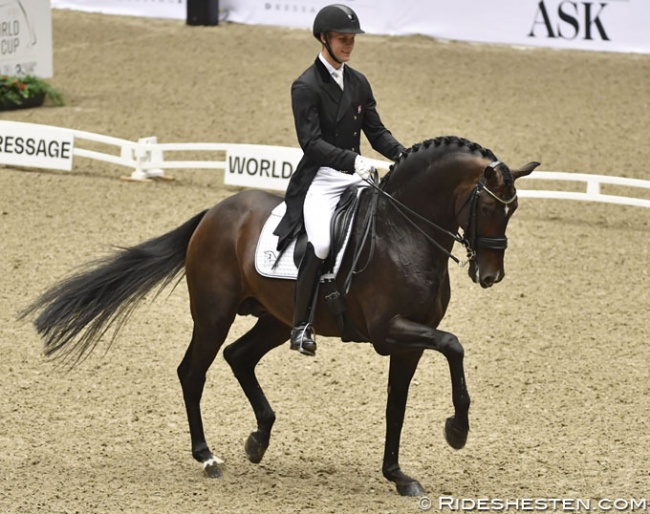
(488,281)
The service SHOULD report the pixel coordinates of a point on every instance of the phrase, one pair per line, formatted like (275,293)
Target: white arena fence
(245,165)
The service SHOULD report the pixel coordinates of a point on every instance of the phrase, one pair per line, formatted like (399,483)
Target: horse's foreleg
(192,370)
(457,426)
(406,334)
(243,355)
(402,368)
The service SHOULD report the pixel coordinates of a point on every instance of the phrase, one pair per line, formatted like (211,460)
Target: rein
(471,245)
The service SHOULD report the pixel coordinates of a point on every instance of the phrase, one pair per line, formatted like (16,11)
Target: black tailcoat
(329,123)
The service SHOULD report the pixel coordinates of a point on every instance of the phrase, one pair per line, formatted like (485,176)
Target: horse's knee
(230,353)
(452,348)
(183,371)
(192,382)
(236,357)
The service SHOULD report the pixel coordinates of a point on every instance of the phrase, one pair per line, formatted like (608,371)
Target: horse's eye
(487,210)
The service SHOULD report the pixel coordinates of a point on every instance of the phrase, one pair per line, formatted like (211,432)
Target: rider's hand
(363,167)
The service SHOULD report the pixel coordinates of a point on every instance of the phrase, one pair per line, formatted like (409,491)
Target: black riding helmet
(336,18)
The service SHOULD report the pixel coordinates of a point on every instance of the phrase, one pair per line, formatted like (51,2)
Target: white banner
(39,146)
(602,25)
(175,9)
(261,166)
(26,38)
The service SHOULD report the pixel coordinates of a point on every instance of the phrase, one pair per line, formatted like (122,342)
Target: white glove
(363,167)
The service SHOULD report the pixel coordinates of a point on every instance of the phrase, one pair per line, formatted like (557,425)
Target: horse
(434,189)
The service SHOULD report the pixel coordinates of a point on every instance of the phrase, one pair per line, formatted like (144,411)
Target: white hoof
(214,461)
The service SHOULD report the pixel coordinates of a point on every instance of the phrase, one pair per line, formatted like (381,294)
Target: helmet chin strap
(326,43)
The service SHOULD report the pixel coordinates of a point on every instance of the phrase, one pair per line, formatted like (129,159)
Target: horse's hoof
(455,436)
(410,489)
(212,468)
(256,447)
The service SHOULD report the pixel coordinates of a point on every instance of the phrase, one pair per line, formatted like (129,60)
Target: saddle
(285,264)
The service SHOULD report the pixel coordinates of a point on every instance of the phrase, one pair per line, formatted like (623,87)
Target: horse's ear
(526,169)
(489,171)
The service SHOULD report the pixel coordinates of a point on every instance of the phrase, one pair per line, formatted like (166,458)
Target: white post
(593,187)
(146,154)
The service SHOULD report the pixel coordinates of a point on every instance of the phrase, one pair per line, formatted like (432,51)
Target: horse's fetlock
(269,421)
(202,453)
(462,402)
(391,472)
(263,433)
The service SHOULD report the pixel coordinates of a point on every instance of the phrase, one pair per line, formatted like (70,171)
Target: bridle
(473,241)
(470,240)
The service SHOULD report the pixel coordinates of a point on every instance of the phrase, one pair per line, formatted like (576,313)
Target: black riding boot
(309,273)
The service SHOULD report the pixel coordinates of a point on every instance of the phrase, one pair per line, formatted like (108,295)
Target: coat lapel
(341,97)
(346,95)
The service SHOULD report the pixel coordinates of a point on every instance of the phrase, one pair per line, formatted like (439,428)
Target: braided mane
(454,143)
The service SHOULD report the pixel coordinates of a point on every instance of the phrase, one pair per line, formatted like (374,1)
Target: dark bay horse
(397,302)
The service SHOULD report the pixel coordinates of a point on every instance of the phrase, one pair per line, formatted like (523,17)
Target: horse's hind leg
(207,338)
(243,355)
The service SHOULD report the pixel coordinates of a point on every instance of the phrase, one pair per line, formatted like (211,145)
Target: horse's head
(483,210)
(449,182)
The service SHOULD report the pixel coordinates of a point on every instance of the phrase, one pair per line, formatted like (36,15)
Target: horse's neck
(431,196)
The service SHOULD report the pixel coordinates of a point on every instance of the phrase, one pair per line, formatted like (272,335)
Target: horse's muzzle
(486,279)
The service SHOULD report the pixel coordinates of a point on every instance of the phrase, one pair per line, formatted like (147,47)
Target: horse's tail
(77,311)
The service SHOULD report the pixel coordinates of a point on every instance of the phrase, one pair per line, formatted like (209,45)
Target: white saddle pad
(266,253)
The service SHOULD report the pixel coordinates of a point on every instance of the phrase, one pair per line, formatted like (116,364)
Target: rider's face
(341,45)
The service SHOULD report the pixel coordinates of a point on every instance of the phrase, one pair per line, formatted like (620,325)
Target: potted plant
(27,91)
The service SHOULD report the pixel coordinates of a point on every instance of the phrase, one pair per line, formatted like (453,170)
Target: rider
(332,103)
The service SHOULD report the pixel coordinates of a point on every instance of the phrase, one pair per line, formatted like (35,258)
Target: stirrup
(303,340)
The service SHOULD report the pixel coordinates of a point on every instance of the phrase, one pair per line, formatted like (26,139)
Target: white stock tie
(338,77)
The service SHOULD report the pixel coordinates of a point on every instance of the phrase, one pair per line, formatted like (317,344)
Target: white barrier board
(26,38)
(40,146)
(255,166)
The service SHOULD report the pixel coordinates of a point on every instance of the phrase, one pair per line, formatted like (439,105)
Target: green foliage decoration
(19,91)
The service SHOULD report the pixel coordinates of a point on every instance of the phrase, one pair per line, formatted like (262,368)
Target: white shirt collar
(329,67)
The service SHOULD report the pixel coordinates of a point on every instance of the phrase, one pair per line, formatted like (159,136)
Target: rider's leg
(302,335)
(320,203)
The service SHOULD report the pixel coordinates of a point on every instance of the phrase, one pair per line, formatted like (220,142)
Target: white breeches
(323,195)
